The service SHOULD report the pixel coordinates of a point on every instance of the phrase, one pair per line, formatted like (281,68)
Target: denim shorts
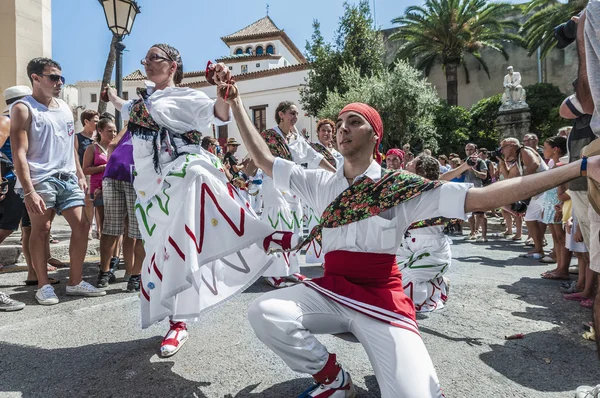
(59,194)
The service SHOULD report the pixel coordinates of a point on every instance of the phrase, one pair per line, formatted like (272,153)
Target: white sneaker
(8,304)
(84,289)
(588,392)
(341,387)
(46,296)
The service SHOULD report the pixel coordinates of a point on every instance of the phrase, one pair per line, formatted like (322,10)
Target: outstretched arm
(255,144)
(520,188)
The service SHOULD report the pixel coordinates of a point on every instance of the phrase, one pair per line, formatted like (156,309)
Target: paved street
(95,348)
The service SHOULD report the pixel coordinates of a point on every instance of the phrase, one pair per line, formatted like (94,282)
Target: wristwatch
(583,169)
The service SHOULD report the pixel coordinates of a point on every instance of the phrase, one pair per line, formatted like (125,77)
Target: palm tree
(547,14)
(445,31)
(108,71)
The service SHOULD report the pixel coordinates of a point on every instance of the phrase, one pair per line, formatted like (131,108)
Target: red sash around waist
(369,283)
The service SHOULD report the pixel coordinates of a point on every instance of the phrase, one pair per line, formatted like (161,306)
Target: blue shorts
(59,194)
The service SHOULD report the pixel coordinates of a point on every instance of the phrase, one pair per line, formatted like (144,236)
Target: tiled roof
(247,57)
(135,75)
(251,75)
(264,26)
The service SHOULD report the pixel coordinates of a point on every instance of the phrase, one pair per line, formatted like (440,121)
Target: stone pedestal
(513,121)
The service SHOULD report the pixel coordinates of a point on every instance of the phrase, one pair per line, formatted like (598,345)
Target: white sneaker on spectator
(472,237)
(46,296)
(588,392)
(84,289)
(8,304)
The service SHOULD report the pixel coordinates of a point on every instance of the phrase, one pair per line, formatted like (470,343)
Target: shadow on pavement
(550,306)
(98,370)
(545,361)
(293,388)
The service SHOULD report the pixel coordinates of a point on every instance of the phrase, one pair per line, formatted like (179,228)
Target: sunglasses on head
(55,78)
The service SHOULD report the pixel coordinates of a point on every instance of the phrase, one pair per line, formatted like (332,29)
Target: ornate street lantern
(120,16)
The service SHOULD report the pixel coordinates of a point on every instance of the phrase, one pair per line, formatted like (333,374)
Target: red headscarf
(374,120)
(397,152)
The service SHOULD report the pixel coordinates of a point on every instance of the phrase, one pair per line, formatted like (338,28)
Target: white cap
(16,92)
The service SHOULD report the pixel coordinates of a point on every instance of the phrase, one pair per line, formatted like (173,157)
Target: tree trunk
(452,83)
(108,71)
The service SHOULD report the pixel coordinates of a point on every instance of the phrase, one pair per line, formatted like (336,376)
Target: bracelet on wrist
(583,168)
(29,193)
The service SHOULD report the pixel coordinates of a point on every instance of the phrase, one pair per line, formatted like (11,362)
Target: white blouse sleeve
(125,109)
(446,201)
(303,153)
(288,176)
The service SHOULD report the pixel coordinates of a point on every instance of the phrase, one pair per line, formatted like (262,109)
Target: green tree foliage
(544,100)
(405,101)
(447,31)
(356,43)
(482,129)
(452,125)
(538,29)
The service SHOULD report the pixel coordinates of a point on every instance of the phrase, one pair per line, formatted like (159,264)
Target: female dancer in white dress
(203,242)
(425,256)
(282,208)
(324,146)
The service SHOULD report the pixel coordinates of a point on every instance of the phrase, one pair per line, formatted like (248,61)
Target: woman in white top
(282,208)
(203,242)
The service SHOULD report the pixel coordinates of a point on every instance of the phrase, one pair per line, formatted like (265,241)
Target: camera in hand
(520,206)
(565,34)
(471,162)
(496,153)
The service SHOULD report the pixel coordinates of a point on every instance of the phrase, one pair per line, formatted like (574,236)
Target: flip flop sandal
(57,263)
(35,283)
(535,256)
(547,260)
(587,303)
(517,238)
(575,297)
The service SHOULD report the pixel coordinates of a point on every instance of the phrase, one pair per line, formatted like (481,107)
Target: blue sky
(80,37)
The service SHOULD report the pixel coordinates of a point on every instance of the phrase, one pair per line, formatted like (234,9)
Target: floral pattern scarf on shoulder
(277,144)
(325,152)
(366,198)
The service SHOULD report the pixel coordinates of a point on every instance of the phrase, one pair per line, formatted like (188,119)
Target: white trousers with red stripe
(287,321)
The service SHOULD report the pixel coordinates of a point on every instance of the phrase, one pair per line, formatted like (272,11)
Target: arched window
(239,51)
(248,50)
(270,49)
(259,50)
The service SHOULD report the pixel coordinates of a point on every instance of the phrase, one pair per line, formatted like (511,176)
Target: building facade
(266,65)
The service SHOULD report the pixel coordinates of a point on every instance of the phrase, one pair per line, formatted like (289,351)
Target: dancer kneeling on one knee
(365,211)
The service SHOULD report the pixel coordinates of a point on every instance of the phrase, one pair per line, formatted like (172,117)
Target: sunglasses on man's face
(55,78)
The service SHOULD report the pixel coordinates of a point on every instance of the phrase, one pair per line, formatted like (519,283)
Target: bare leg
(472,226)
(40,232)
(518,227)
(533,228)
(140,253)
(107,247)
(89,212)
(26,234)
(583,262)
(99,219)
(482,222)
(508,222)
(128,253)
(79,242)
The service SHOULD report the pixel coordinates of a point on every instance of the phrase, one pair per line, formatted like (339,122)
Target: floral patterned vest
(366,198)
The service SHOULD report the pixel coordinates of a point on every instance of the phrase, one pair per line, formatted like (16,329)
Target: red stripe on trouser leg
(329,371)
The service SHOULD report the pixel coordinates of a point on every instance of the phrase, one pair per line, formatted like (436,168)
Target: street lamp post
(120,16)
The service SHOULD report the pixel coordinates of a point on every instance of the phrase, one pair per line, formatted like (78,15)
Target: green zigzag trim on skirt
(145,218)
(290,225)
(411,261)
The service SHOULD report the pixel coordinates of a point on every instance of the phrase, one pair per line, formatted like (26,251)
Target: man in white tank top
(48,176)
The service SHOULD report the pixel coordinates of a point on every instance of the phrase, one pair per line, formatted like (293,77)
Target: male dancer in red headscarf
(365,212)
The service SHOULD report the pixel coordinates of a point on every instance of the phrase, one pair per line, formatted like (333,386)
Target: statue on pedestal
(514,93)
